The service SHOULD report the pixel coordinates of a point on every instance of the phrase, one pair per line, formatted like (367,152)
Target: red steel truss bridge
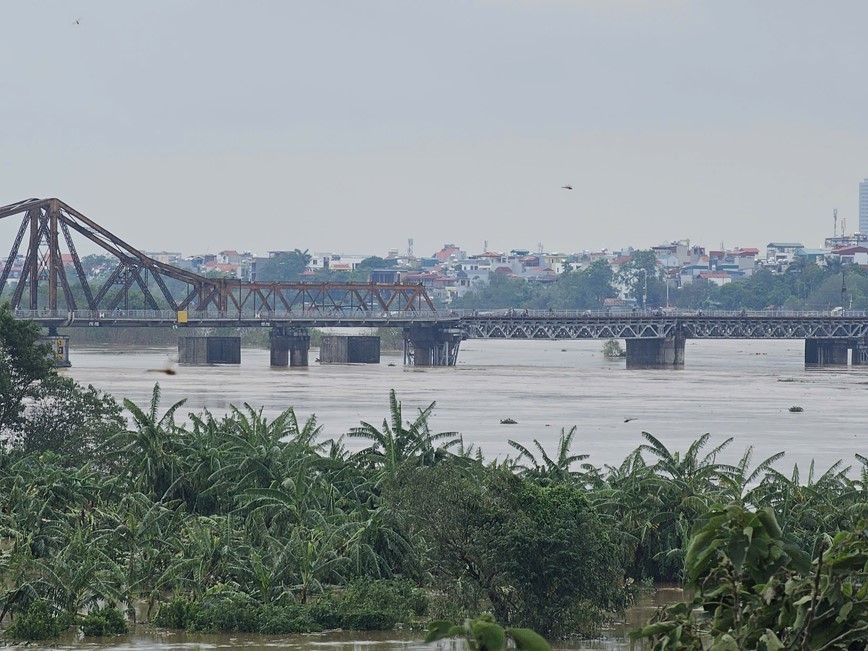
(142,291)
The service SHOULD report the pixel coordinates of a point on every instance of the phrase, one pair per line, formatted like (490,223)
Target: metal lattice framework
(44,283)
(787,327)
(645,327)
(498,327)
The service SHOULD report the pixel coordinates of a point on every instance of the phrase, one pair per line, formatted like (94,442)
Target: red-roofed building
(745,253)
(719,278)
(619,261)
(851,254)
(212,266)
(448,251)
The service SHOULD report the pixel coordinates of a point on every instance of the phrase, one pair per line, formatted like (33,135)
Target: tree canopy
(284,266)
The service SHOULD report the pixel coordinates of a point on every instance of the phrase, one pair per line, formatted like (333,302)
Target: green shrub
(36,622)
(104,622)
(379,605)
(369,620)
(177,613)
(280,620)
(325,612)
(612,349)
(224,609)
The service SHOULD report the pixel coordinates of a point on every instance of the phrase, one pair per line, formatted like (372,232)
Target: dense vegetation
(804,286)
(238,522)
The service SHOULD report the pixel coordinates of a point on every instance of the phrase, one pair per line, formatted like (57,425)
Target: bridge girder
(642,327)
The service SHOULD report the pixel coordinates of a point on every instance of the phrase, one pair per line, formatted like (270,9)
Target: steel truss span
(49,289)
(711,326)
(563,328)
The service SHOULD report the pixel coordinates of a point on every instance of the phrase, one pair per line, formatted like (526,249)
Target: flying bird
(566,187)
(77,21)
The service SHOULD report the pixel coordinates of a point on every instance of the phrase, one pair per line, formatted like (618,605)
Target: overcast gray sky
(353,126)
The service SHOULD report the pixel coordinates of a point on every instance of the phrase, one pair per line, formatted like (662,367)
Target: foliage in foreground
(250,523)
(484,634)
(756,590)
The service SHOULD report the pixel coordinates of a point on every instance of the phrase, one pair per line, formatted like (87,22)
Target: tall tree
(24,364)
(641,276)
(70,420)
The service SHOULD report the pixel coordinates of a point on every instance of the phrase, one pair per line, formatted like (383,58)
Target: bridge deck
(507,324)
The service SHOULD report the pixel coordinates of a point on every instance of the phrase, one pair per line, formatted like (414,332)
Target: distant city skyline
(355,126)
(863,207)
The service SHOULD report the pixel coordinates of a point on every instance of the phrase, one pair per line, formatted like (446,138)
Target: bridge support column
(667,352)
(860,353)
(289,346)
(827,351)
(432,345)
(59,352)
(349,350)
(209,350)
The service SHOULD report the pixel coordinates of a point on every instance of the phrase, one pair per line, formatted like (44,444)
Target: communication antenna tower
(410,247)
(485,246)
(843,227)
(539,248)
(835,217)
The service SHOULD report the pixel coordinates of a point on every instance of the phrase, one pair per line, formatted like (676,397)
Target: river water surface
(740,389)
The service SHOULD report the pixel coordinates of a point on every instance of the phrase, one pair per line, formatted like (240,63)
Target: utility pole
(645,293)
(843,286)
(667,288)
(644,272)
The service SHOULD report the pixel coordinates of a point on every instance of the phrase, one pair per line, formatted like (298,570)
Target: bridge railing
(655,312)
(93,316)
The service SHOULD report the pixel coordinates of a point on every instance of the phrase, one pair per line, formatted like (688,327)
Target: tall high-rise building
(863,206)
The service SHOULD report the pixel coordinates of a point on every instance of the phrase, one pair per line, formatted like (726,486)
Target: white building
(863,206)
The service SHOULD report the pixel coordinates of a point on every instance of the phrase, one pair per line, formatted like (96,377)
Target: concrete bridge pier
(860,352)
(209,350)
(289,346)
(361,349)
(432,345)
(59,353)
(666,352)
(827,351)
